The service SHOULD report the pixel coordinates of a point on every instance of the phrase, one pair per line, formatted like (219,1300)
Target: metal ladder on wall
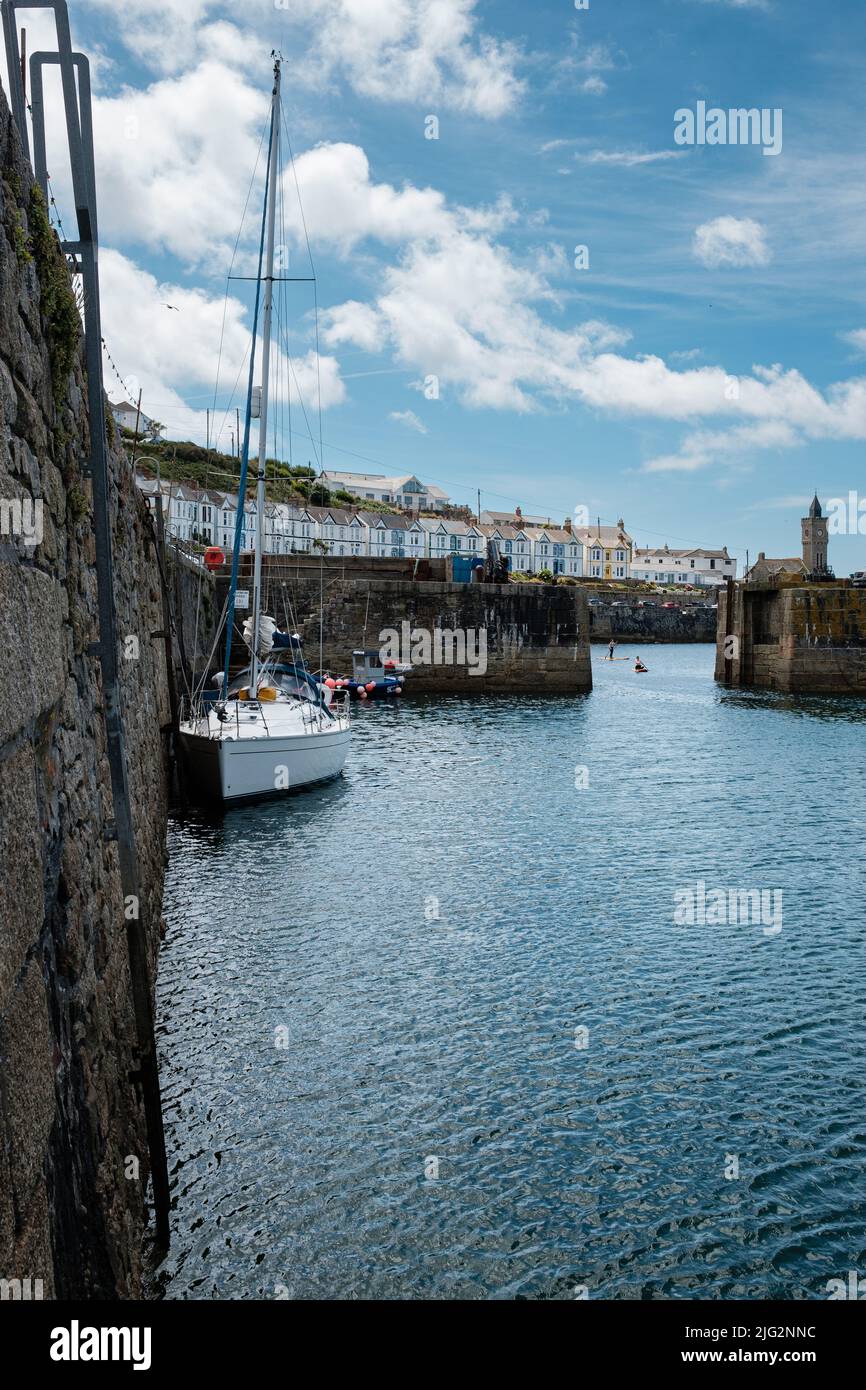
(83,256)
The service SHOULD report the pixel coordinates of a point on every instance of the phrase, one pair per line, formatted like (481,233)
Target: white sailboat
(273,729)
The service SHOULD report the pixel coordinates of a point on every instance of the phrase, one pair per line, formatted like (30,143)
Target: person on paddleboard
(638,664)
(610,650)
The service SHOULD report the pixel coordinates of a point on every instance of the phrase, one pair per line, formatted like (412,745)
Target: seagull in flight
(170,306)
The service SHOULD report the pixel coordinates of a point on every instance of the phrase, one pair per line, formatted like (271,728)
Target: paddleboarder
(610,650)
(638,664)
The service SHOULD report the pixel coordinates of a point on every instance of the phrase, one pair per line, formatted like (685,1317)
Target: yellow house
(607,551)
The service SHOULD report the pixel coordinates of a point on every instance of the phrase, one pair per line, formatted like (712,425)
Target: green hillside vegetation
(184,462)
(181,461)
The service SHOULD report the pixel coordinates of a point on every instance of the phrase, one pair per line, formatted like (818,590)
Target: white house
(127,415)
(556,549)
(403,491)
(663,565)
(515,518)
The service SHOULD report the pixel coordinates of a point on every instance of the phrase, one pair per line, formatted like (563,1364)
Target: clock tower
(814,528)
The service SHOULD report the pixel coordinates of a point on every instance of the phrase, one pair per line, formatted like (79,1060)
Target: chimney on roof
(518,515)
(566,525)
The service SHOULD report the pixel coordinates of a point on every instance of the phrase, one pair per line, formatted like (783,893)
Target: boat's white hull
(240,769)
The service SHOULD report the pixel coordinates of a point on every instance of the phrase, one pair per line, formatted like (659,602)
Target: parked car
(858,579)
(670,605)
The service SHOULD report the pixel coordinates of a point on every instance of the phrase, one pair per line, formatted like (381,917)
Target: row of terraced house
(531,544)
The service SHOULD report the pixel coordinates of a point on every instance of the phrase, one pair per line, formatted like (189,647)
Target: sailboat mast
(266,372)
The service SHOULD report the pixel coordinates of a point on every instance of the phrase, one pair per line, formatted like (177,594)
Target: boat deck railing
(196,712)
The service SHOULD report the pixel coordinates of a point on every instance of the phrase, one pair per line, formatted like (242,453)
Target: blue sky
(699,378)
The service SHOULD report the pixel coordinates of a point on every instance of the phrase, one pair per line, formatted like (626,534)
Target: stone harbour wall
(73,1155)
(629,621)
(536,634)
(194,608)
(801,638)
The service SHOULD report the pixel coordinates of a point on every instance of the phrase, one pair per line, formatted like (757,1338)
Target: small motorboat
(371,678)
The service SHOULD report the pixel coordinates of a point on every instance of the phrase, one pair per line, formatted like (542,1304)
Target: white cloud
(354,322)
(418,51)
(162,33)
(629,158)
(731,241)
(409,419)
(686,355)
(856,338)
(593,59)
(739,4)
(165,350)
(705,447)
(173,163)
(342,206)
(455,303)
(428,52)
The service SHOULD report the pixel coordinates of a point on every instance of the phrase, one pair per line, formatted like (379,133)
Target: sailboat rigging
(272,728)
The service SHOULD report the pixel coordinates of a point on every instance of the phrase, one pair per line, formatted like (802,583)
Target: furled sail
(267,627)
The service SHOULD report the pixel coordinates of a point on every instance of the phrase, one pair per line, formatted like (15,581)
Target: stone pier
(537,635)
(793,636)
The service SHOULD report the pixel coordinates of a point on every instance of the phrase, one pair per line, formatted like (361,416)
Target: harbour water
(434,1031)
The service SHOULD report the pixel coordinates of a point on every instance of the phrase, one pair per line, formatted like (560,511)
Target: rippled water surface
(412,1040)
